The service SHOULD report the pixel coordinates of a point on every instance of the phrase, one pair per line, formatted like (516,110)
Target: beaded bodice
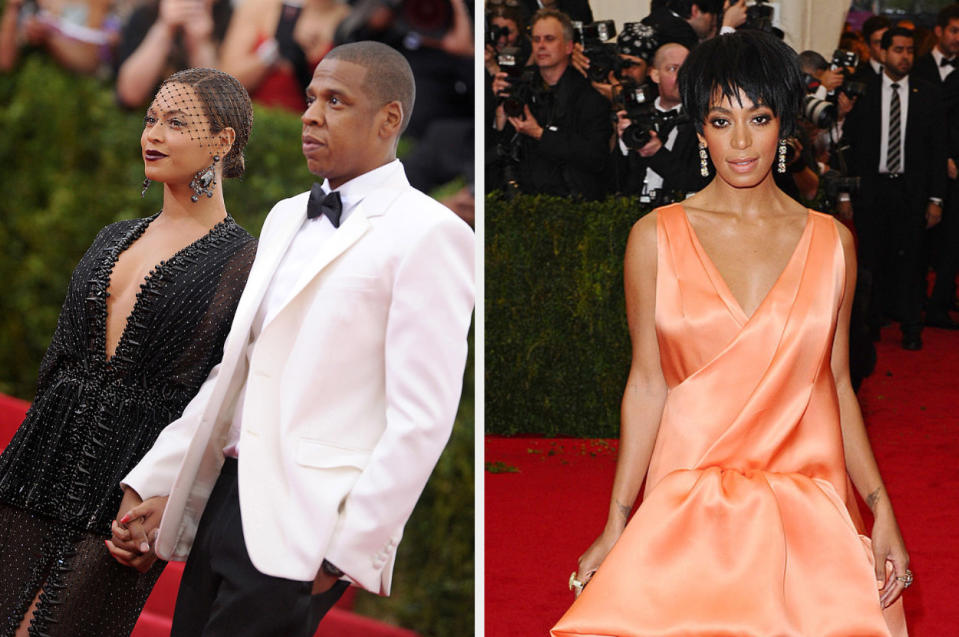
(93,417)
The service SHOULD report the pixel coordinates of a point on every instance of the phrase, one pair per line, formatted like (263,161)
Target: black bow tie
(944,62)
(324,204)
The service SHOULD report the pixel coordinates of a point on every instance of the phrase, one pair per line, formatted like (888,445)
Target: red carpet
(540,518)
(157,614)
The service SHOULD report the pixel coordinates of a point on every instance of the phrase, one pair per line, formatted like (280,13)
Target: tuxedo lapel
(350,231)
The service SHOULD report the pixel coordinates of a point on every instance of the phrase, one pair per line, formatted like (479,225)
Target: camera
(822,113)
(520,77)
(603,56)
(759,16)
(843,60)
(832,182)
(495,32)
(637,101)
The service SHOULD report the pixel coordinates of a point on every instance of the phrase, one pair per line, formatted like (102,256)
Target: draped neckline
(719,281)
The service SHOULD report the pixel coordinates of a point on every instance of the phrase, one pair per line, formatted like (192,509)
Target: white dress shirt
(300,252)
(884,128)
(944,71)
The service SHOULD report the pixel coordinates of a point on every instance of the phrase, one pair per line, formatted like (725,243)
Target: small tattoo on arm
(624,510)
(873,498)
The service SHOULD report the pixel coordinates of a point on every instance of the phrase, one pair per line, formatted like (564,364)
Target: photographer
(634,50)
(689,22)
(553,128)
(505,28)
(666,167)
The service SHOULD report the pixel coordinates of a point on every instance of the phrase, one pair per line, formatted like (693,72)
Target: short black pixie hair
(902,32)
(759,64)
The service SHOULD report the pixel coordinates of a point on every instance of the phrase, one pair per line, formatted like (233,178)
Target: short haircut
(564,21)
(757,63)
(892,32)
(661,51)
(388,78)
(684,8)
(810,61)
(873,24)
(508,12)
(946,14)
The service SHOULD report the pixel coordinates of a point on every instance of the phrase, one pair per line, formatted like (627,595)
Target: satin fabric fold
(748,525)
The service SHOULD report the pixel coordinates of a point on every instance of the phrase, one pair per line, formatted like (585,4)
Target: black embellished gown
(93,419)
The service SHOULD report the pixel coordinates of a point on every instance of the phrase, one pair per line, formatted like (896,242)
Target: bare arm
(238,57)
(860,462)
(141,72)
(9,47)
(645,392)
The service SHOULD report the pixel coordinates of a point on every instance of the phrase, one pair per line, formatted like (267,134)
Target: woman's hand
(135,529)
(888,546)
(594,556)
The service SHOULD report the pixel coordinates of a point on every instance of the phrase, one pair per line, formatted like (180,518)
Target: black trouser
(889,226)
(223,595)
(947,257)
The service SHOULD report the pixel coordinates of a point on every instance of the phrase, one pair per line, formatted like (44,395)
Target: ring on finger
(906,579)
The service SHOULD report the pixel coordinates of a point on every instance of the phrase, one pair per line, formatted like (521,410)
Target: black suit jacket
(926,69)
(575,9)
(925,156)
(670,27)
(570,159)
(679,166)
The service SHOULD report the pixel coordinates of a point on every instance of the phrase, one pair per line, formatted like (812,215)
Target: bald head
(388,74)
(663,53)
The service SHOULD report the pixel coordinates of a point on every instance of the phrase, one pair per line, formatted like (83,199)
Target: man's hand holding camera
(527,124)
(650,148)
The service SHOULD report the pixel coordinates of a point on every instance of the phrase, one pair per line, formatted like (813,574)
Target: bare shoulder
(642,236)
(846,238)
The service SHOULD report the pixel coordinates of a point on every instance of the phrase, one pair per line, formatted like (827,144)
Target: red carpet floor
(541,517)
(157,614)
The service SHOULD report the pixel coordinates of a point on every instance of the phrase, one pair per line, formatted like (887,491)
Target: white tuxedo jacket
(351,391)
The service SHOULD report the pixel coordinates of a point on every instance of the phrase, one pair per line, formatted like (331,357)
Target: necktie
(893,163)
(324,204)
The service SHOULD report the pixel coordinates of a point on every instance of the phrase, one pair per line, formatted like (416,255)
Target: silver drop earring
(146,184)
(781,157)
(703,161)
(204,181)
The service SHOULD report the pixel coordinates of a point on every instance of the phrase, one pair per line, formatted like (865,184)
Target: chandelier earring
(781,157)
(146,184)
(703,161)
(204,181)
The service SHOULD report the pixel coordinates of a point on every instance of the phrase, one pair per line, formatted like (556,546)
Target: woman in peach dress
(738,408)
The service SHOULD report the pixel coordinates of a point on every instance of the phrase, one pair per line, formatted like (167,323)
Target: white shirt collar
(353,191)
(658,106)
(903,84)
(938,56)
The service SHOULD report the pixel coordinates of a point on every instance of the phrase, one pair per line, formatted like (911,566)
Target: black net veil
(209,101)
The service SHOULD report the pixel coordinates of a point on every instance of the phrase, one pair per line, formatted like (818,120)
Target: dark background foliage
(69,165)
(557,346)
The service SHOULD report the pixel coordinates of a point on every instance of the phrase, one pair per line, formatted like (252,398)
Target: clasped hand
(135,529)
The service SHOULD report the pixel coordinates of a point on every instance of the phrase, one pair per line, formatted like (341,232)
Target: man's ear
(653,74)
(391,119)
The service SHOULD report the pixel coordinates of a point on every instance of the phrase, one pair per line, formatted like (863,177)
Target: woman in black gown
(145,316)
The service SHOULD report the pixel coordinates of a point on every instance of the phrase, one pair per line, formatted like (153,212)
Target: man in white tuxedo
(338,386)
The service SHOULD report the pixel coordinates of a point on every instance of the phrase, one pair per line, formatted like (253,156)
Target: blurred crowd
(578,108)
(272,47)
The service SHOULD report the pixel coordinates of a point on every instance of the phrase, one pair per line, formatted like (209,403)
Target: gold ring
(906,579)
(575,584)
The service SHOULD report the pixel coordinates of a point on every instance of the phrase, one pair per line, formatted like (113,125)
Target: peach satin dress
(748,525)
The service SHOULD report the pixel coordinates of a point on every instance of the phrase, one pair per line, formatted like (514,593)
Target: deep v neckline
(148,283)
(719,281)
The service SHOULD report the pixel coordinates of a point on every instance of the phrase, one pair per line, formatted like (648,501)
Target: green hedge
(70,164)
(557,346)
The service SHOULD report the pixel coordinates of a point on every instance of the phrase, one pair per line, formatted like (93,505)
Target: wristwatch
(328,568)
